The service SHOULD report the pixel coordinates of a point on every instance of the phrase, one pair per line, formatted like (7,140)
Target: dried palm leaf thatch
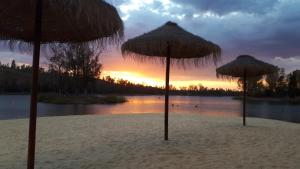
(72,21)
(245,64)
(185,48)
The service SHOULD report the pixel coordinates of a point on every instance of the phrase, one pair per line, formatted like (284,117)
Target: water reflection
(12,107)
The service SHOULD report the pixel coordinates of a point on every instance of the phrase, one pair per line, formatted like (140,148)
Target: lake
(17,106)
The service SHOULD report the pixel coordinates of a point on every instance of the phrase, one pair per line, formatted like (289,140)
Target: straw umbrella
(32,22)
(167,42)
(245,66)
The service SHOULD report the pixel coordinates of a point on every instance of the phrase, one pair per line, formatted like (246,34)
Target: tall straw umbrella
(245,66)
(32,22)
(167,42)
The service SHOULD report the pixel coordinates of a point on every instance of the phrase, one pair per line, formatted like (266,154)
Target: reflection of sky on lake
(18,107)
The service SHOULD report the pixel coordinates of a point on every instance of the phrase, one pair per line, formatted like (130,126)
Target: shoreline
(154,113)
(108,94)
(270,99)
(81,99)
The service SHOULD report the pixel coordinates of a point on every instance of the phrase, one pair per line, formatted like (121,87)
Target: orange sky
(153,74)
(142,78)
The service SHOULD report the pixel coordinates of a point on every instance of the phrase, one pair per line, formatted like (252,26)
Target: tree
(254,85)
(109,79)
(80,61)
(277,83)
(193,88)
(13,64)
(57,65)
(200,87)
(58,58)
(294,83)
(272,80)
(282,83)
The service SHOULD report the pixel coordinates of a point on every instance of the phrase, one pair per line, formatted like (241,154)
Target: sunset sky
(266,29)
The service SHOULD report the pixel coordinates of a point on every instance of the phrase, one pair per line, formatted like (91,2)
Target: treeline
(17,79)
(278,84)
(125,86)
(75,69)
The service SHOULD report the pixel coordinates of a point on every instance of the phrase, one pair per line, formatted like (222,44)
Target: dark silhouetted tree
(254,85)
(79,61)
(294,84)
(13,64)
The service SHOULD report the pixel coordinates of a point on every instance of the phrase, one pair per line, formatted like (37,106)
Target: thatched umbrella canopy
(62,21)
(183,46)
(242,64)
(32,22)
(167,42)
(245,66)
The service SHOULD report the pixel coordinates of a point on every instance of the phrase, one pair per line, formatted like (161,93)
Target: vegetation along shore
(86,99)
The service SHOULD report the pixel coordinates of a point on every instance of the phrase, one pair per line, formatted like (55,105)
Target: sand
(136,142)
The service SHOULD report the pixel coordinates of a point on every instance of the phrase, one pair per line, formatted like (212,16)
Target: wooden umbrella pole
(34,87)
(167,92)
(244,98)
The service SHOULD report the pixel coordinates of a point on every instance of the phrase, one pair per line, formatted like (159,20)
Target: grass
(58,99)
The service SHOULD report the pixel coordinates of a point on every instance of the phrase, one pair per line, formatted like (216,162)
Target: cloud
(262,28)
(258,27)
(7,57)
(128,8)
(223,7)
(290,64)
(270,34)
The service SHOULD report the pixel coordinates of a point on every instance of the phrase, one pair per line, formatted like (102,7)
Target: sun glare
(140,78)
(133,77)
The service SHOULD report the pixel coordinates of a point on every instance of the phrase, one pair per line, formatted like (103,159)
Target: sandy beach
(136,142)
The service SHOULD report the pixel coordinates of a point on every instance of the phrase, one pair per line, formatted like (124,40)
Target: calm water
(12,107)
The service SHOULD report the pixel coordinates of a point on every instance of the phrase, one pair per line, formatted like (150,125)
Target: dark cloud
(277,34)
(223,7)
(259,27)
(274,33)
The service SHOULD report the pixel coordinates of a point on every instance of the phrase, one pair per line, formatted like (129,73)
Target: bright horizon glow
(139,78)
(133,77)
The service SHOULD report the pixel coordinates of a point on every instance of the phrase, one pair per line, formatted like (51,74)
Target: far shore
(119,94)
(270,99)
(119,98)
(81,99)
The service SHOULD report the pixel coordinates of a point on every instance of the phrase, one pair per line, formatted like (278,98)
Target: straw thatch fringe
(244,63)
(226,77)
(178,62)
(99,44)
(63,21)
